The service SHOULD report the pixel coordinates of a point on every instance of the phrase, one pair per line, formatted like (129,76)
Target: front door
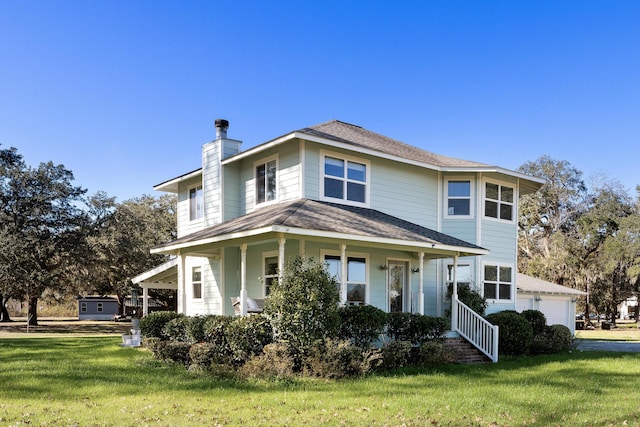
(398,292)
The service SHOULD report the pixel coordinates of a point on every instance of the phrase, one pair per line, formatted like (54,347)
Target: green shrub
(432,353)
(472,298)
(151,325)
(335,358)
(396,354)
(247,336)
(303,307)
(537,320)
(415,328)
(196,328)
(174,351)
(202,355)
(215,333)
(274,362)
(176,329)
(515,334)
(362,324)
(560,337)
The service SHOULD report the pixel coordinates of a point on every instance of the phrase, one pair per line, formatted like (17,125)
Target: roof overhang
(161,277)
(171,186)
(212,245)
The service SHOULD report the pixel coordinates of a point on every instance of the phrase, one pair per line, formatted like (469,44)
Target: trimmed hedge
(362,324)
(415,328)
(516,332)
(151,325)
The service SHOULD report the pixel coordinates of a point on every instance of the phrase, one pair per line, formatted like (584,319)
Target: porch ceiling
(322,221)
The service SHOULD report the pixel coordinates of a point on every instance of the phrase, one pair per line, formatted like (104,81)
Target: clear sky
(124,93)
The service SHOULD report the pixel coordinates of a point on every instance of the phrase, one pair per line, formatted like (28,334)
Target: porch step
(465,351)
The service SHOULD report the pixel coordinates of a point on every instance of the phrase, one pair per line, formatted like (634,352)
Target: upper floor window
(266,181)
(344,179)
(458,198)
(196,282)
(195,203)
(498,202)
(498,282)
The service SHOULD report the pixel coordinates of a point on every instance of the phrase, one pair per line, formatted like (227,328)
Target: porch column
(182,286)
(454,297)
(421,290)
(145,300)
(243,279)
(281,242)
(343,273)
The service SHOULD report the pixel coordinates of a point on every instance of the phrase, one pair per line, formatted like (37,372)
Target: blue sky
(124,93)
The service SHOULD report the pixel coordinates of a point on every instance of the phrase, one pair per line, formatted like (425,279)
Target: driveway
(608,345)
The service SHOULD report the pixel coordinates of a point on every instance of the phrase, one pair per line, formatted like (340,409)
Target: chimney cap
(222,123)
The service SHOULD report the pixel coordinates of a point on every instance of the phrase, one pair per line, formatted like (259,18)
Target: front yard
(69,380)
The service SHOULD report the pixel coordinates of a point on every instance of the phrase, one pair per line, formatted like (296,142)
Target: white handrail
(475,329)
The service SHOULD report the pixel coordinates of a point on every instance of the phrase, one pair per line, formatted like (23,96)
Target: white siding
(288,175)
(186,226)
(212,183)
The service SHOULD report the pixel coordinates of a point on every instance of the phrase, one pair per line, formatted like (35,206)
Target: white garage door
(556,311)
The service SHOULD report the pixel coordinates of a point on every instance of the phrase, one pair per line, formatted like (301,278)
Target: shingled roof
(312,215)
(357,136)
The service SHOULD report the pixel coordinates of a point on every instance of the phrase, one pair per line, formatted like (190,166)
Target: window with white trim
(270,269)
(356,276)
(463,274)
(499,201)
(266,181)
(196,282)
(498,282)
(458,198)
(344,179)
(195,203)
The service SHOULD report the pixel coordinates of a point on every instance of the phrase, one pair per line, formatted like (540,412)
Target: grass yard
(86,381)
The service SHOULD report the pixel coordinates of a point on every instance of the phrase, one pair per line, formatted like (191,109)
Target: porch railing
(475,329)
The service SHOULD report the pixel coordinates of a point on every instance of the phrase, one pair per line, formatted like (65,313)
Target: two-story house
(394,223)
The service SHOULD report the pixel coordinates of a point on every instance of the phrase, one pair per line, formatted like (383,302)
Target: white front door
(398,289)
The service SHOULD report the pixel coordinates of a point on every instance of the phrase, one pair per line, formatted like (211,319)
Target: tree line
(57,241)
(587,238)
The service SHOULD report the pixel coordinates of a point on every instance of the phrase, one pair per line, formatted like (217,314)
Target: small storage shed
(97,307)
(557,302)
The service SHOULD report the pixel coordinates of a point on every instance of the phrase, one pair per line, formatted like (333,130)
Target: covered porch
(352,241)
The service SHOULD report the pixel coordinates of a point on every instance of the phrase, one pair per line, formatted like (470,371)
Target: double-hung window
(458,198)
(196,282)
(345,179)
(195,203)
(266,181)
(356,276)
(499,201)
(498,282)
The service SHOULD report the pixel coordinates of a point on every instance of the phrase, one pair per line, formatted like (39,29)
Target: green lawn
(69,381)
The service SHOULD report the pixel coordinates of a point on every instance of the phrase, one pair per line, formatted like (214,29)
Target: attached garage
(557,302)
